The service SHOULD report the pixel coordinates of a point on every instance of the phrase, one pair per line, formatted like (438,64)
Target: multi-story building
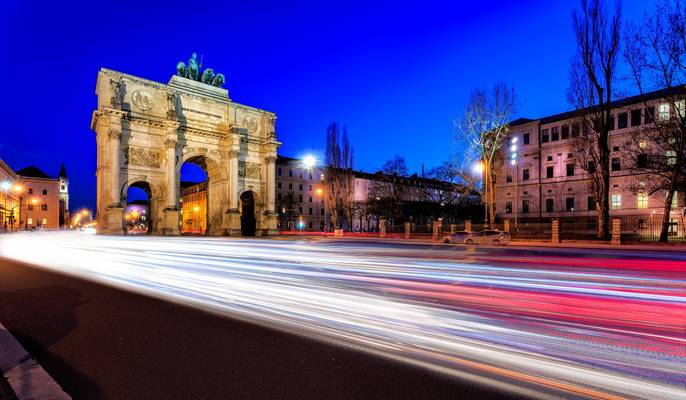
(300,195)
(44,197)
(193,207)
(10,201)
(548,179)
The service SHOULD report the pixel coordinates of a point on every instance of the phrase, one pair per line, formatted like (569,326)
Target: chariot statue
(192,71)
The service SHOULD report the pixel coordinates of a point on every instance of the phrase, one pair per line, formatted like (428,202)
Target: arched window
(45,192)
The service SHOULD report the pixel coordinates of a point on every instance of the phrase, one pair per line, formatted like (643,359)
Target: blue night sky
(396,74)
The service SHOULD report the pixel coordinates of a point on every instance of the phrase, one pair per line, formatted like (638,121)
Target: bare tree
(387,192)
(483,127)
(592,78)
(339,174)
(656,53)
(459,183)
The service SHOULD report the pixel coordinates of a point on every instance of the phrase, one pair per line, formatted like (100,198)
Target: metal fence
(647,229)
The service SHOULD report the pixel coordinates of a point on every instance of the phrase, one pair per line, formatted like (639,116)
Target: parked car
(495,238)
(458,237)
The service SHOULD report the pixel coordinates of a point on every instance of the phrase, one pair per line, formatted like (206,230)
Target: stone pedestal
(468,225)
(437,227)
(453,228)
(112,222)
(382,228)
(506,225)
(233,227)
(616,231)
(171,218)
(408,230)
(555,232)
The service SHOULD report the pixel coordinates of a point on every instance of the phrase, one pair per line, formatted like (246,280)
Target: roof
(33,172)
(63,171)
(623,102)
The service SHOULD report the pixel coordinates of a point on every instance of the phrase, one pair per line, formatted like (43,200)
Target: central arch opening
(137,218)
(194,199)
(247,209)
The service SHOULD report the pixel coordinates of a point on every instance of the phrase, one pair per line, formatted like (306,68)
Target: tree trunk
(664,231)
(604,189)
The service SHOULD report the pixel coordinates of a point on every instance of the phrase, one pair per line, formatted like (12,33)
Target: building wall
(194,209)
(540,155)
(297,200)
(10,200)
(45,212)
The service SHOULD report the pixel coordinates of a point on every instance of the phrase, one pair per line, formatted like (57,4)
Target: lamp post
(5,187)
(196,222)
(320,192)
(34,201)
(515,163)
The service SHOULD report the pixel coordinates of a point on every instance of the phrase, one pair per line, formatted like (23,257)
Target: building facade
(10,199)
(146,130)
(193,208)
(45,199)
(548,177)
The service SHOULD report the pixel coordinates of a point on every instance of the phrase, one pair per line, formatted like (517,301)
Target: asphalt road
(582,323)
(104,343)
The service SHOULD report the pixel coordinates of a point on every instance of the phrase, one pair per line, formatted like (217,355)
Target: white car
(495,238)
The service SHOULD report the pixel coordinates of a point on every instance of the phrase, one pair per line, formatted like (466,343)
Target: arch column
(171,209)
(233,220)
(270,216)
(110,219)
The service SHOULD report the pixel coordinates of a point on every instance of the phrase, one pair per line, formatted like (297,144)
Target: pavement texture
(103,343)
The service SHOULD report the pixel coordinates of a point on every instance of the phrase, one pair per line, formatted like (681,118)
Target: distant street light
(478,168)
(309,161)
(5,186)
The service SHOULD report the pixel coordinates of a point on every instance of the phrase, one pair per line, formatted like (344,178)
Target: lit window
(616,201)
(642,144)
(671,157)
(680,106)
(44,222)
(642,200)
(663,111)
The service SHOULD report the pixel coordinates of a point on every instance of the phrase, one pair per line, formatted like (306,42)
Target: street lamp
(515,163)
(320,192)
(309,161)
(5,185)
(195,217)
(34,201)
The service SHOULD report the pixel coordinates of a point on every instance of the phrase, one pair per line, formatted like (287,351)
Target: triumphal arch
(146,130)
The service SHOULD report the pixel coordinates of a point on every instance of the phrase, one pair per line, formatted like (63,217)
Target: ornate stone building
(146,130)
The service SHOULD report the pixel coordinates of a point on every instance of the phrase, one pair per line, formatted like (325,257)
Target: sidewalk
(22,377)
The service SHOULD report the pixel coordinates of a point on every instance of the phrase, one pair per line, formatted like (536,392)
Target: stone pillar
(556,231)
(171,211)
(382,228)
(468,225)
(616,231)
(408,229)
(453,228)
(437,226)
(234,216)
(113,221)
(270,213)
(506,225)
(115,168)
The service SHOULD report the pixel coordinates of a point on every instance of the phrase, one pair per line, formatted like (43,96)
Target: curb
(25,376)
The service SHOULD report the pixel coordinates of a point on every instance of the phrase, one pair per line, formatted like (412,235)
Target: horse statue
(207,76)
(218,80)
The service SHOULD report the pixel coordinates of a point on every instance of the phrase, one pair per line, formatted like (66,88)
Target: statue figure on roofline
(192,71)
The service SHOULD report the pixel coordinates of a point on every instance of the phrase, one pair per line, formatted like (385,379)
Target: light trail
(544,326)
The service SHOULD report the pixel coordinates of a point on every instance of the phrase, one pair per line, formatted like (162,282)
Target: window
(591,203)
(300,198)
(616,164)
(300,209)
(30,190)
(642,200)
(544,136)
(570,169)
(616,203)
(570,155)
(642,145)
(575,129)
(525,206)
(310,199)
(550,158)
(549,172)
(622,121)
(63,188)
(611,124)
(321,211)
(278,185)
(310,189)
(290,186)
(44,207)
(290,173)
(278,171)
(569,203)
(635,117)
(30,221)
(508,207)
(310,210)
(301,187)
(549,205)
(680,107)
(509,178)
(555,133)
(310,225)
(278,196)
(565,131)
(642,161)
(590,167)
(30,208)
(649,112)
(671,157)
(525,174)
(525,138)
(663,111)
(44,221)
(310,176)
(290,197)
